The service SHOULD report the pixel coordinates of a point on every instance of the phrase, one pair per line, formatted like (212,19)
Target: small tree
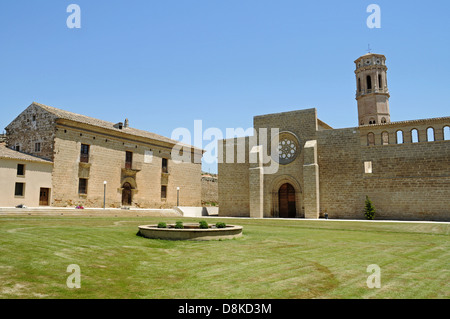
(369,210)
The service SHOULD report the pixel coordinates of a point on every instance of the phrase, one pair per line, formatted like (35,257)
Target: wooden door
(44,196)
(286,198)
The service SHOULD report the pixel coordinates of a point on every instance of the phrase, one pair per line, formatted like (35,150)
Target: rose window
(287,150)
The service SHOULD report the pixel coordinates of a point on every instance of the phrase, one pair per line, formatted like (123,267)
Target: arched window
(383,120)
(430,134)
(446,133)
(362,122)
(359,84)
(369,82)
(380,81)
(414,136)
(370,139)
(372,121)
(384,138)
(399,137)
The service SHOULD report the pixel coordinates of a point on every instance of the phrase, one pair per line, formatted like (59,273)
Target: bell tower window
(369,82)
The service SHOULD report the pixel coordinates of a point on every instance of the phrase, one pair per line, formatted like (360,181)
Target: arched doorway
(126,194)
(286,201)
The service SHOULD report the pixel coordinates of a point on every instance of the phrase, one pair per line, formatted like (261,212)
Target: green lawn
(274,259)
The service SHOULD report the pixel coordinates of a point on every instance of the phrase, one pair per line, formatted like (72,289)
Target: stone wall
(210,191)
(233,181)
(32,126)
(409,181)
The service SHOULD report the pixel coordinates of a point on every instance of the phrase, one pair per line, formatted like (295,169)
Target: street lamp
(178,196)
(104,194)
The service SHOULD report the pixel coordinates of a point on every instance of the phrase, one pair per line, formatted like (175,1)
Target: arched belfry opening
(287,201)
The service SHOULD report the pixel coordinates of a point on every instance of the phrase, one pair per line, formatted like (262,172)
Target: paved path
(90,212)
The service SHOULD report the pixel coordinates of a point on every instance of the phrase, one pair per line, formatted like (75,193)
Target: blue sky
(164,64)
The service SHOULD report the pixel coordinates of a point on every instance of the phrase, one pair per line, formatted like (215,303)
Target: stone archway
(295,198)
(127,194)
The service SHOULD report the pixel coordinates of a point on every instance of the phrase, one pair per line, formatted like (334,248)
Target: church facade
(403,167)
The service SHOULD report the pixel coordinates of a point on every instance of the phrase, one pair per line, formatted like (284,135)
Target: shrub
(221,225)
(369,210)
(179,225)
(203,224)
(162,225)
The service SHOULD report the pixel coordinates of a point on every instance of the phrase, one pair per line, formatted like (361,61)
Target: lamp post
(104,194)
(178,196)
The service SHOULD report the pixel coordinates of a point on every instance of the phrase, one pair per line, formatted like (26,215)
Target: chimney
(126,123)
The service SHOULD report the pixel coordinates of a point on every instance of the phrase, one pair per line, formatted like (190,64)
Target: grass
(274,259)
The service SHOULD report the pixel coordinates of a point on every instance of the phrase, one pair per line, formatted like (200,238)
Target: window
(37,147)
(372,121)
(383,120)
(163,192)
(84,156)
(82,186)
(414,136)
(20,170)
(17,148)
(34,118)
(446,133)
(384,138)
(20,189)
(368,167)
(399,137)
(128,160)
(430,134)
(165,168)
(380,81)
(369,82)
(359,84)
(370,139)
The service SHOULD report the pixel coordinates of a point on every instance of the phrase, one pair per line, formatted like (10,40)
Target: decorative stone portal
(127,196)
(286,198)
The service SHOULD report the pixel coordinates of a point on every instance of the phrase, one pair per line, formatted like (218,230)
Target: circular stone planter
(190,232)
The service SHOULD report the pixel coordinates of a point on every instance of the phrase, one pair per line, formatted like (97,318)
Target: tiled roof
(61,114)
(7,153)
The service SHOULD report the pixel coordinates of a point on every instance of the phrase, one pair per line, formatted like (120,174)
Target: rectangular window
(84,155)
(20,189)
(17,148)
(129,160)
(163,192)
(165,168)
(368,167)
(20,170)
(82,186)
(37,147)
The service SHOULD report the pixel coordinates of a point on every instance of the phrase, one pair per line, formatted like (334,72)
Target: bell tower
(372,92)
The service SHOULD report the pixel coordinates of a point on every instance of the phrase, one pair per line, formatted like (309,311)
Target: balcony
(131,167)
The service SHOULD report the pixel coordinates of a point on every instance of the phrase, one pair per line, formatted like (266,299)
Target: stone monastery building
(63,159)
(404,167)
